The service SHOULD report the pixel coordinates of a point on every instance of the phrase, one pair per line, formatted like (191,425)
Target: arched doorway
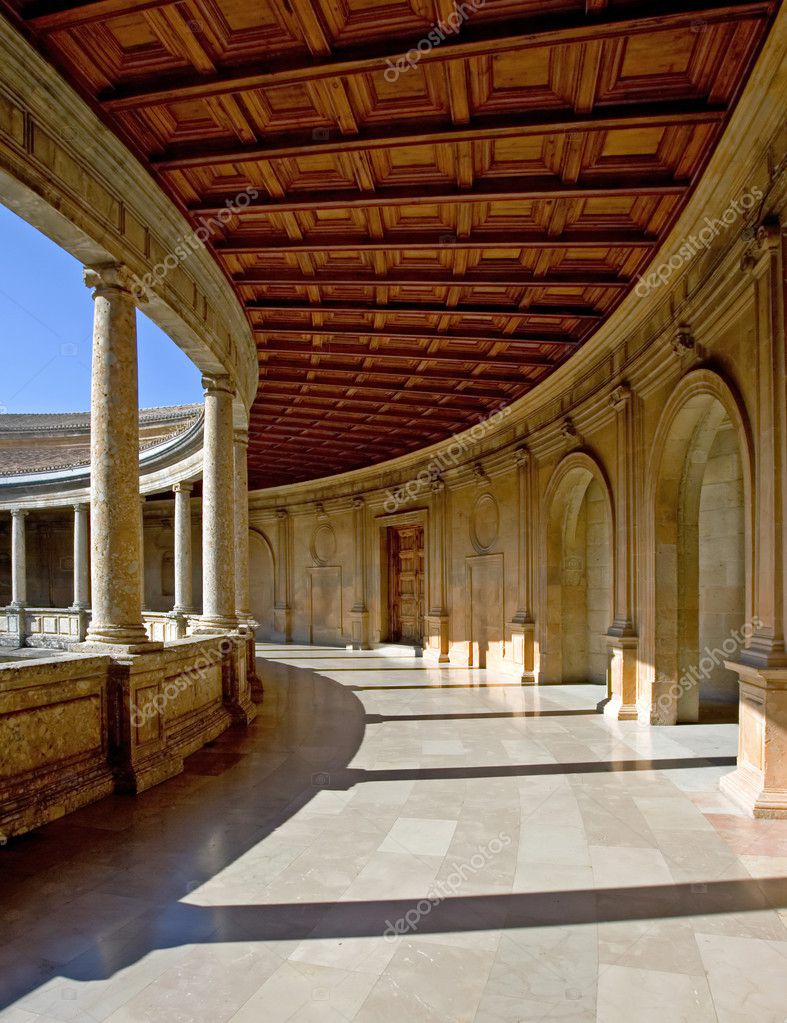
(261,585)
(578,574)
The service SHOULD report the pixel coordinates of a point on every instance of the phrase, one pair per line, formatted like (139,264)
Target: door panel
(406,583)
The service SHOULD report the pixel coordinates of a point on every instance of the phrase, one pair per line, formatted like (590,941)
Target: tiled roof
(66,422)
(65,436)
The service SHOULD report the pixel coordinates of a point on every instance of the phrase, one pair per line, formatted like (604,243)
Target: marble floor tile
(395,841)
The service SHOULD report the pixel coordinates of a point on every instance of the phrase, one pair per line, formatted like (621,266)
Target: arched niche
(577,573)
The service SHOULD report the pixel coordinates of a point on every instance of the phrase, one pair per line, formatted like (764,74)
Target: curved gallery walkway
(394,841)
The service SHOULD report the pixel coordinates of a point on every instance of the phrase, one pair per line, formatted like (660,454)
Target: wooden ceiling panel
(431,223)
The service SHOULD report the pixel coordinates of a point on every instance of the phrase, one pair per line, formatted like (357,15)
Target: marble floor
(391,841)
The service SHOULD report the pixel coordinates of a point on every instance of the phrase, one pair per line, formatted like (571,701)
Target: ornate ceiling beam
(388,354)
(475,40)
(338,278)
(486,130)
(551,312)
(520,189)
(415,334)
(279,363)
(295,375)
(515,240)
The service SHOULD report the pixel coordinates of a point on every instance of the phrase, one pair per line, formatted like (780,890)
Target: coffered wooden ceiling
(422,245)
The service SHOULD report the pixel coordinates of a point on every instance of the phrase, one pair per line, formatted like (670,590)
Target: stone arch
(577,572)
(698,557)
(262,584)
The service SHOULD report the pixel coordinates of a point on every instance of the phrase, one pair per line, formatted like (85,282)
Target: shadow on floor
(61,886)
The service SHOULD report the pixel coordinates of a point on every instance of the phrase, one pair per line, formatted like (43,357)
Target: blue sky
(46,322)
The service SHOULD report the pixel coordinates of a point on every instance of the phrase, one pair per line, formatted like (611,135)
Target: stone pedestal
(436,642)
(622,703)
(523,650)
(759,782)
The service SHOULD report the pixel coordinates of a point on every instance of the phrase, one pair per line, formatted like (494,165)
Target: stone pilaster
(436,646)
(18,559)
(114,459)
(522,623)
(218,508)
(359,613)
(759,782)
(622,636)
(184,595)
(282,615)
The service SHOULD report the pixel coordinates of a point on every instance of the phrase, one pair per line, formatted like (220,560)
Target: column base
(118,635)
(759,782)
(207,624)
(180,616)
(622,679)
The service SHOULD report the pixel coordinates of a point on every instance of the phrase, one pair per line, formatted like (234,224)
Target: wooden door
(406,583)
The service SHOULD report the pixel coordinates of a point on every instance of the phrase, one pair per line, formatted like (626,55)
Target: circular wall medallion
(484,524)
(323,545)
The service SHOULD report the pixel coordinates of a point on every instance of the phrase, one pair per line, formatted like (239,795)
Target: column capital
(110,277)
(282,514)
(19,513)
(240,435)
(217,384)
(522,456)
(359,503)
(620,397)
(438,485)
(81,506)
(183,487)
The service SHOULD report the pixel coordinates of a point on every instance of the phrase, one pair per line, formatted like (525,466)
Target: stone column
(81,562)
(282,620)
(522,623)
(18,559)
(622,635)
(759,783)
(218,508)
(114,462)
(142,552)
(437,616)
(184,597)
(241,484)
(359,613)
